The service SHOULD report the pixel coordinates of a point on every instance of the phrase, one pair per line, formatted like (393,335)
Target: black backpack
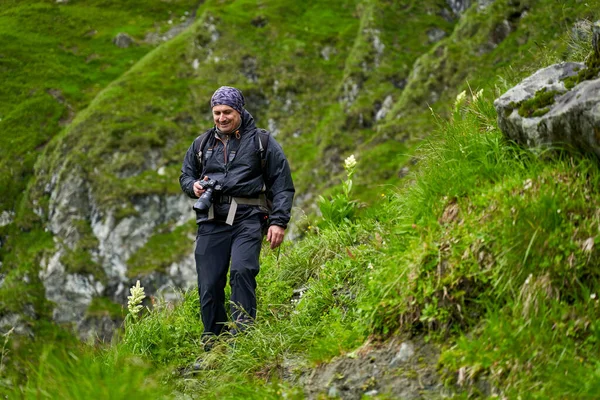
(262,143)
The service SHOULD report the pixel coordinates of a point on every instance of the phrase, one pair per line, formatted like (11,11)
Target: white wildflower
(350,163)
(477,95)
(460,98)
(134,302)
(588,245)
(370,266)
(593,296)
(527,184)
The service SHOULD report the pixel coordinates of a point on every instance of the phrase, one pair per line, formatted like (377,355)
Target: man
(252,190)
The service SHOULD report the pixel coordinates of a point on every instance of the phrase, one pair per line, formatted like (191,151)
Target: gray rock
(459,6)
(483,4)
(573,119)
(333,392)
(6,218)
(123,40)
(71,203)
(435,35)
(16,323)
(407,350)
(386,107)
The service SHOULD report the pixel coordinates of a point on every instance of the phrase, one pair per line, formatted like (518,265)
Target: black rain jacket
(238,170)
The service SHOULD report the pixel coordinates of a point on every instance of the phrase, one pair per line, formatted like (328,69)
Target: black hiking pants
(218,245)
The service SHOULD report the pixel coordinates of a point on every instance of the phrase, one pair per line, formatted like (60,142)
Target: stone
(386,107)
(435,35)
(459,6)
(6,218)
(123,40)
(333,392)
(407,350)
(573,119)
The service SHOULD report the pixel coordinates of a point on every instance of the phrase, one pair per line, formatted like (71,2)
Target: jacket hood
(248,123)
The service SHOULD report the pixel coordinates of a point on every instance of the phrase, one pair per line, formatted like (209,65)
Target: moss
(103,306)
(164,248)
(21,255)
(588,73)
(79,260)
(537,105)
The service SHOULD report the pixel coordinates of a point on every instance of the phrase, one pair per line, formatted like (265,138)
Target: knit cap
(229,96)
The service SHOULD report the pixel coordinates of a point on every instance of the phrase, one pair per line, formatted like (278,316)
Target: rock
(459,6)
(6,218)
(407,350)
(573,118)
(273,128)
(435,35)
(333,392)
(367,372)
(74,216)
(249,68)
(123,40)
(483,4)
(386,107)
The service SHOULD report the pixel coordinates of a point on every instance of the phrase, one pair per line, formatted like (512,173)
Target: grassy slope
(487,250)
(343,318)
(144,120)
(54,59)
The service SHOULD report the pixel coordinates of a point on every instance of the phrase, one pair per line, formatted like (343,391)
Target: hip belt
(261,201)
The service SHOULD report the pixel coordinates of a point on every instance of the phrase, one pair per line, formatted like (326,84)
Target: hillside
(91,203)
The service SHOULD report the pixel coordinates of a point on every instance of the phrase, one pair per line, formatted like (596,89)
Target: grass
(480,240)
(487,249)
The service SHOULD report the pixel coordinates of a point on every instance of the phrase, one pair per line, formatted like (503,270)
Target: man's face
(226,118)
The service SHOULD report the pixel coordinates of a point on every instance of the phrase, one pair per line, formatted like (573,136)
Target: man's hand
(198,187)
(275,235)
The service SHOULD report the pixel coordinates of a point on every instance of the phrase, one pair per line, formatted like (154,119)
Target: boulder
(123,40)
(545,111)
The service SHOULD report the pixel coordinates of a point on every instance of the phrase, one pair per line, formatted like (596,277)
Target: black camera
(206,199)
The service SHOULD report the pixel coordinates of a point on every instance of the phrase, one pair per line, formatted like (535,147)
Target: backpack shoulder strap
(199,145)
(263,143)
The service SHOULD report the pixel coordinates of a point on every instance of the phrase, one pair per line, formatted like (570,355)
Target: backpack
(261,145)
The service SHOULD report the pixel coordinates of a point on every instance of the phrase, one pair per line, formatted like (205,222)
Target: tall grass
(487,249)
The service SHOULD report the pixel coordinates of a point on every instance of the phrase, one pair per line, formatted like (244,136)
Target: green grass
(489,278)
(54,59)
(486,249)
(481,240)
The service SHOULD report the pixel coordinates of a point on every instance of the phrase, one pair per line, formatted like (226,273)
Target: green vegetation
(487,250)
(102,306)
(537,105)
(484,249)
(55,58)
(162,249)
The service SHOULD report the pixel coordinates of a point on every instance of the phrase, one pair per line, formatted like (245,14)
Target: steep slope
(107,187)
(54,59)
(324,78)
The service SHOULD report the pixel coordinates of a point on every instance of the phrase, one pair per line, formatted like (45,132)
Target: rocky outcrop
(72,205)
(398,369)
(542,112)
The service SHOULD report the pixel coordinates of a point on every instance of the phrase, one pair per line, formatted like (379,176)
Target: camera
(206,199)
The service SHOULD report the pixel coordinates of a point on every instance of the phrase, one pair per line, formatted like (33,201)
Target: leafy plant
(340,207)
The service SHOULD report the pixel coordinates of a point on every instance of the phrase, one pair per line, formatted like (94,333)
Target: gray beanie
(229,96)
